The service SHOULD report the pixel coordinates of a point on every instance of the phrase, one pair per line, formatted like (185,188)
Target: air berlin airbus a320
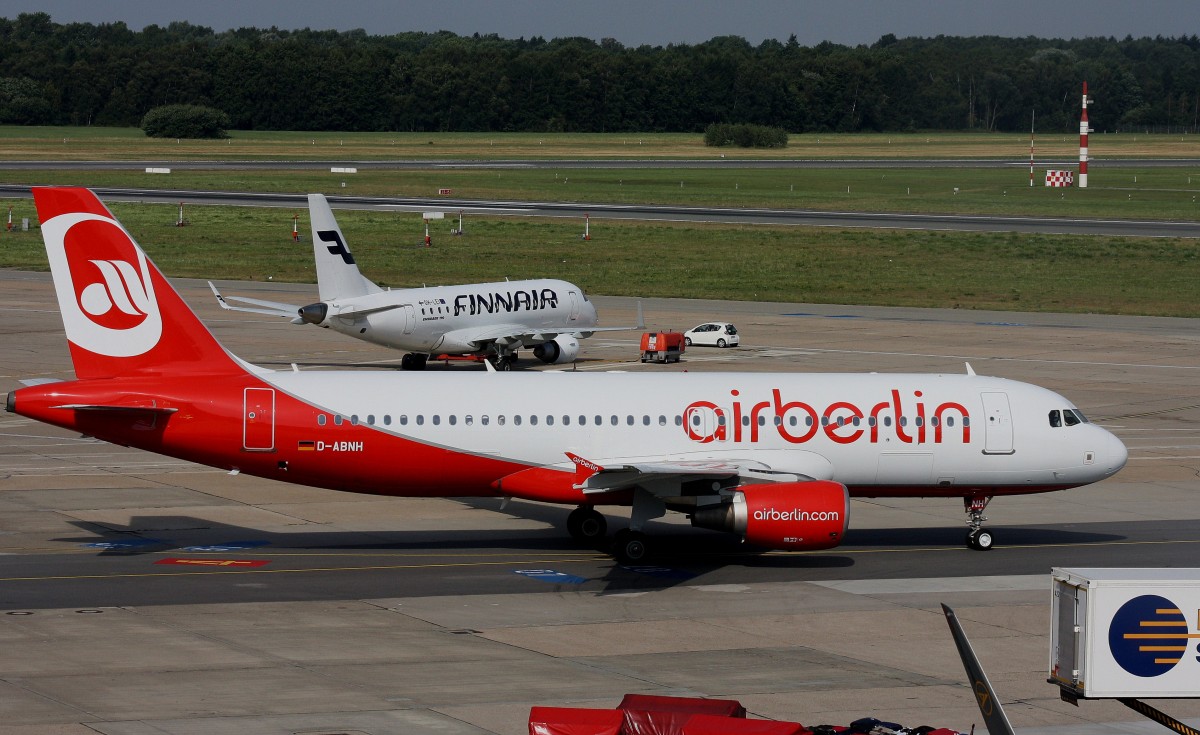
(771,457)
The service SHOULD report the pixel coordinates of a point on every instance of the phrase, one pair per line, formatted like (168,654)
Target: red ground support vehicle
(662,346)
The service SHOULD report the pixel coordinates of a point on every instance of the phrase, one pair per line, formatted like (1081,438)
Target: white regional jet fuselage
(492,320)
(451,319)
(773,457)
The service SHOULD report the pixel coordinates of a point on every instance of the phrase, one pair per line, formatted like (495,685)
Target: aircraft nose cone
(1116,454)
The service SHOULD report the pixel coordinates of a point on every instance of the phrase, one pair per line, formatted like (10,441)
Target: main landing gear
(503,363)
(978,538)
(586,524)
(629,545)
(413,361)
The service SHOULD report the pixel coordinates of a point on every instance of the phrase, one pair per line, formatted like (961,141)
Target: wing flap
(592,477)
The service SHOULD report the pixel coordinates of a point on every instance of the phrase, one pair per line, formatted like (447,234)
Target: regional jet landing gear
(413,361)
(503,360)
(978,538)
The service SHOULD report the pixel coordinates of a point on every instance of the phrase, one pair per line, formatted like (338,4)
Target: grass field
(960,270)
(63,143)
(902,268)
(1152,193)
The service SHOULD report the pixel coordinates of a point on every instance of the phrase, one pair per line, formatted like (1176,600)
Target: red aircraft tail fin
(121,315)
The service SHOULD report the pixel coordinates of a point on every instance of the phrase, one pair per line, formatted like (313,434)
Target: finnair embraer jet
(771,457)
(484,319)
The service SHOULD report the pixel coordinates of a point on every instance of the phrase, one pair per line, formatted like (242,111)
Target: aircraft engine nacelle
(314,313)
(562,349)
(788,515)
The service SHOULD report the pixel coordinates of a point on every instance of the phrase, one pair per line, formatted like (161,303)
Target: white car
(717,334)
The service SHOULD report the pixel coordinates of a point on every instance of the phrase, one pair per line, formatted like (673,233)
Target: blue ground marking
(131,543)
(231,546)
(661,572)
(549,575)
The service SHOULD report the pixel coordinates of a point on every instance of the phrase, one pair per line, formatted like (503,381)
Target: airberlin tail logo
(103,284)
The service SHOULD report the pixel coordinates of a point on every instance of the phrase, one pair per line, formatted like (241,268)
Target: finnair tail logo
(339,248)
(103,285)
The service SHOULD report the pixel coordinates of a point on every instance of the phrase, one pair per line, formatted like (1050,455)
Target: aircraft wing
(593,477)
(520,334)
(506,334)
(641,324)
(270,308)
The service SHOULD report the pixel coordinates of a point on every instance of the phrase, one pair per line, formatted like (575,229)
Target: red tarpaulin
(647,714)
(575,721)
(716,725)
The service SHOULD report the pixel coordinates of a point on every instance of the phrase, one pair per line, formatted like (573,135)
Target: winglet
(970,370)
(220,298)
(583,468)
(989,705)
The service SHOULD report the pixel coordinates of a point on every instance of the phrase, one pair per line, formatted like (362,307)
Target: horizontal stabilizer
(270,308)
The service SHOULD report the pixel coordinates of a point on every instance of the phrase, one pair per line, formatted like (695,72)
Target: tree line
(272,79)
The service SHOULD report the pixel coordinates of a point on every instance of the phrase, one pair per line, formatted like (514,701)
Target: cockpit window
(1067,417)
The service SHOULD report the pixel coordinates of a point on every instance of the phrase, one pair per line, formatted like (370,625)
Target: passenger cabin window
(320,419)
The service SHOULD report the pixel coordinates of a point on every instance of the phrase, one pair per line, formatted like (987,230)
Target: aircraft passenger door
(410,318)
(258,420)
(997,429)
(573,306)
(704,424)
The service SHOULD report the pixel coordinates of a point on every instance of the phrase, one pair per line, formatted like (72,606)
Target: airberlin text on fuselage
(505,301)
(842,421)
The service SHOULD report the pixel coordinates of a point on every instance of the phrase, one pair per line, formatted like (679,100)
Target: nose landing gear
(978,538)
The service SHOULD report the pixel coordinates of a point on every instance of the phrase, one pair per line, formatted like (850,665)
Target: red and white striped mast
(1032,124)
(1083,144)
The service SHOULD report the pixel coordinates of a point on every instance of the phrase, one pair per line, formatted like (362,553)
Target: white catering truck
(1125,633)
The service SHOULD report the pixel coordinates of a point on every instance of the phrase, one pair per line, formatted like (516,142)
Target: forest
(272,79)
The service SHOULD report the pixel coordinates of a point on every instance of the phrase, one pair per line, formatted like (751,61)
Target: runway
(143,594)
(668,213)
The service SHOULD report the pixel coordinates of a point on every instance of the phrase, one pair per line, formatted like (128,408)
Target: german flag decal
(306,446)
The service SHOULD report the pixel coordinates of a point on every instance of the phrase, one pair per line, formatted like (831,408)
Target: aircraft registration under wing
(771,457)
(492,320)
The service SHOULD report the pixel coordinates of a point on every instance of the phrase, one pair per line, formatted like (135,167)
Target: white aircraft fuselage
(773,457)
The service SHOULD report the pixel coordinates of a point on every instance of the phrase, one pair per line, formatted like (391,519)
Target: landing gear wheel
(980,539)
(503,363)
(586,524)
(629,547)
(418,361)
(406,361)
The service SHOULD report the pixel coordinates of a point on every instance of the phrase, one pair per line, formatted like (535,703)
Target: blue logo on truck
(1148,636)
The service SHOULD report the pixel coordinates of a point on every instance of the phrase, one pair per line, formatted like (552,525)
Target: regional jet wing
(524,335)
(270,308)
